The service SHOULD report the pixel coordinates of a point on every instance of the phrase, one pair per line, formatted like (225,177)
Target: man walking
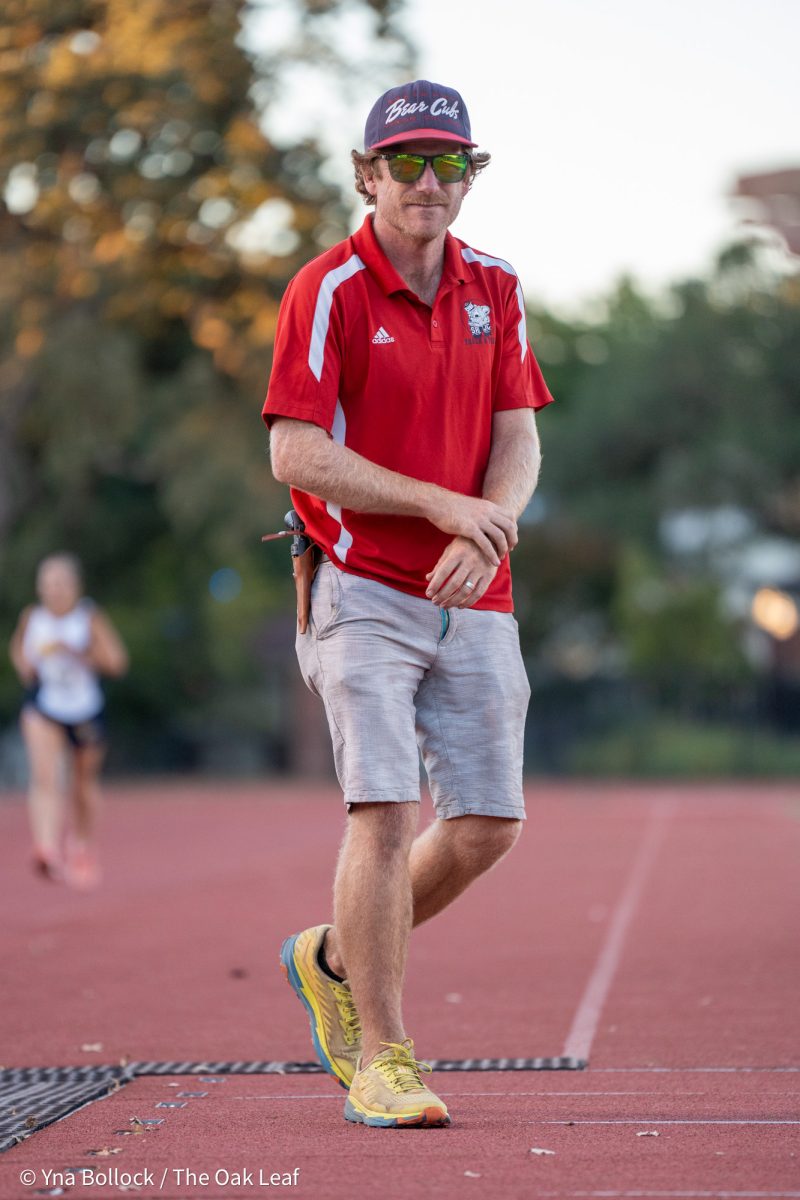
(401,406)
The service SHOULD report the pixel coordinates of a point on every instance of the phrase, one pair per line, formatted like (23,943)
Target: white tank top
(68,690)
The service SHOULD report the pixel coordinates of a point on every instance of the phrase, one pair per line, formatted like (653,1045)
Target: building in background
(776,202)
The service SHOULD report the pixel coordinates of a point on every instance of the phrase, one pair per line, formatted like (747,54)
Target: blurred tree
(691,402)
(683,401)
(148,231)
(675,634)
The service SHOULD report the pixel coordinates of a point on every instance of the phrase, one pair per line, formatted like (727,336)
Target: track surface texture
(649,929)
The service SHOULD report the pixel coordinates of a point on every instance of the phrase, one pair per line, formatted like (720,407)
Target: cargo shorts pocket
(326,600)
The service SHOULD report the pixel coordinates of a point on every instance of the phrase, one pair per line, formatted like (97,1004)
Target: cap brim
(414,135)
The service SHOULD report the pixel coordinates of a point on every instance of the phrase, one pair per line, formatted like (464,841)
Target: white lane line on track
(587,1017)
(716,1195)
(464,1095)
(669,1121)
(693,1070)
(295,1096)
(461,1095)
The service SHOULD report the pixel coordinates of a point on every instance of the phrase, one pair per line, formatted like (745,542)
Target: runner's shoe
(389,1092)
(335,1025)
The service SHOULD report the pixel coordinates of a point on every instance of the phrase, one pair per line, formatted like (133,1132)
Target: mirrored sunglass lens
(406,168)
(450,168)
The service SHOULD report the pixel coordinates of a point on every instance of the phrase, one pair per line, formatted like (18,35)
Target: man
(401,412)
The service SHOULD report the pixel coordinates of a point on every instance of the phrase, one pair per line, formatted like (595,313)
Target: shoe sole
(298,985)
(426,1118)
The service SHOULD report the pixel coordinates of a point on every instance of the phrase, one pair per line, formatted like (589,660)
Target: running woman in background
(59,649)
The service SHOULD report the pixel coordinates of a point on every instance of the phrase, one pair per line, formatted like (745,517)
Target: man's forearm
(339,475)
(513,472)
(306,458)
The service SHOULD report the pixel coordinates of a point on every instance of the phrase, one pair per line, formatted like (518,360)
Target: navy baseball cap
(417,110)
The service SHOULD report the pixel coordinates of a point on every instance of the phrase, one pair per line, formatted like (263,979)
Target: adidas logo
(382,338)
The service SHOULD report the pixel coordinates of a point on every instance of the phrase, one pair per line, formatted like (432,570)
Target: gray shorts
(393,679)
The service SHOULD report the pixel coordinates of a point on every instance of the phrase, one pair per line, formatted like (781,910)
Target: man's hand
(460,561)
(491,528)
(304,456)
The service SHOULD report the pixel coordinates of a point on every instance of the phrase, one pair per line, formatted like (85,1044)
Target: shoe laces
(348,1013)
(400,1068)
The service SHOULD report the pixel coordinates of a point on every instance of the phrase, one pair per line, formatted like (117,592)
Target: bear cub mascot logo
(478,317)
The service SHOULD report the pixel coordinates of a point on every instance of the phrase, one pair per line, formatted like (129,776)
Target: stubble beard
(418,233)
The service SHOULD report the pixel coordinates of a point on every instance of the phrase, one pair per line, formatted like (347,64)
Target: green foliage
(137,316)
(673,630)
(665,748)
(688,404)
(684,401)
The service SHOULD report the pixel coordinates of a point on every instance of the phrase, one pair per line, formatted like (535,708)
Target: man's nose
(427,181)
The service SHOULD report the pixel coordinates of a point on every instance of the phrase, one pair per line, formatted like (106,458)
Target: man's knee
(483,838)
(388,827)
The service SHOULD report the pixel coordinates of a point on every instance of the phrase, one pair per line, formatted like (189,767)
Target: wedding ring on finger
(469,584)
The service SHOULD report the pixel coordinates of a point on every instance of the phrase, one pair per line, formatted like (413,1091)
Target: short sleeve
(519,382)
(307,357)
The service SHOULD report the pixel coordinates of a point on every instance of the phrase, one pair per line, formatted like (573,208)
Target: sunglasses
(408,168)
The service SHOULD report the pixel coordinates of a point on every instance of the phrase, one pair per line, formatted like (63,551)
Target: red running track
(652,929)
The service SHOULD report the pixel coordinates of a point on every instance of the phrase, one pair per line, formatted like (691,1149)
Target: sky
(617,128)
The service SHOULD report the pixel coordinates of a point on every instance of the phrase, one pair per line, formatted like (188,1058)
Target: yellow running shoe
(389,1092)
(335,1025)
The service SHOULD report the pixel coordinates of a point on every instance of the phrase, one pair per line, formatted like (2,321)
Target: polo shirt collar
(368,248)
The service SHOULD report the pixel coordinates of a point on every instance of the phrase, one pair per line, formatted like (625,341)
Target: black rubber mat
(312,1068)
(33,1097)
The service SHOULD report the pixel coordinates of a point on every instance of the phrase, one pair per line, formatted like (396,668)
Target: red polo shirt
(410,387)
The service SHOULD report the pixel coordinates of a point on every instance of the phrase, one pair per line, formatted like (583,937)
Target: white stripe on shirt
(322,312)
(470,255)
(345,539)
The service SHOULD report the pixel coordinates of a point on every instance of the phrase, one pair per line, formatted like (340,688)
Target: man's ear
(368,175)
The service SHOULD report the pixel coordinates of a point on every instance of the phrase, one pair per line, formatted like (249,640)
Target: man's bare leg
(450,855)
(373,911)
(443,861)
